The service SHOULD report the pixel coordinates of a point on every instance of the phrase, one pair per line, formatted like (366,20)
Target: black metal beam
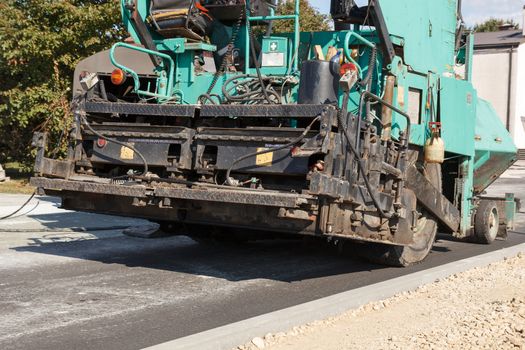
(143,33)
(149,109)
(251,111)
(272,111)
(382,30)
(206,194)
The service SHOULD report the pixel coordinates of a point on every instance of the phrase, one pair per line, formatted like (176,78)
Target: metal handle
(168,91)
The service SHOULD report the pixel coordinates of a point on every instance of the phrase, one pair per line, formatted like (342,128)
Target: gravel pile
(497,325)
(482,308)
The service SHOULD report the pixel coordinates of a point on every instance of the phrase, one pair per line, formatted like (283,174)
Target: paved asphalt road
(100,289)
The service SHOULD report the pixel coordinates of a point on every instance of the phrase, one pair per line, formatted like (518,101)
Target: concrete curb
(235,334)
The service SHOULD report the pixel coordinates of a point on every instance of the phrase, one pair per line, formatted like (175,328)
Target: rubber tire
(403,256)
(486,222)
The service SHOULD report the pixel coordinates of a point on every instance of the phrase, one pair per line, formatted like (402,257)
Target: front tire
(486,222)
(424,235)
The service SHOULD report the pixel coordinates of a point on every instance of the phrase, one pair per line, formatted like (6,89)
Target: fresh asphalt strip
(235,334)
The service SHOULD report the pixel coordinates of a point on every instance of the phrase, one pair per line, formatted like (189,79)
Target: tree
(493,25)
(311,20)
(40,44)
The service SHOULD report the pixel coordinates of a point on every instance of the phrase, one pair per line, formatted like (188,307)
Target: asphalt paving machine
(206,117)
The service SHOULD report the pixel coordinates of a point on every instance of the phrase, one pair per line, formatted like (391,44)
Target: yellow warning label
(265,159)
(127,153)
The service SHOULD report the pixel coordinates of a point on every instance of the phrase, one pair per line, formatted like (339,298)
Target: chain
(229,53)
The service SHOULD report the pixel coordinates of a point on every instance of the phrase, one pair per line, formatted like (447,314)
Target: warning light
(101,143)
(118,77)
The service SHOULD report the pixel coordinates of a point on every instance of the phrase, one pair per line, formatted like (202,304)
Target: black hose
(209,97)
(231,182)
(124,144)
(252,87)
(359,160)
(254,57)
(371,68)
(21,207)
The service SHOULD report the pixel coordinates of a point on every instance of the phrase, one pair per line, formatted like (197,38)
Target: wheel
(486,222)
(424,235)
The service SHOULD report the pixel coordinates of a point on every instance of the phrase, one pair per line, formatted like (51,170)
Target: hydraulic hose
(20,208)
(371,68)
(254,57)
(251,87)
(358,158)
(232,182)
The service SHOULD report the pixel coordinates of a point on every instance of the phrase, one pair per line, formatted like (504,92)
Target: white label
(273,59)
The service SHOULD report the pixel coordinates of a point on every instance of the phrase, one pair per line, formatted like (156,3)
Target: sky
(474,11)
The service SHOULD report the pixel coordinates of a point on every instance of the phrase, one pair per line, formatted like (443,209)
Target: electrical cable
(21,207)
(358,158)
(232,182)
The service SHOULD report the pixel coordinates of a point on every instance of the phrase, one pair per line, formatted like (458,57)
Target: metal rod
(271,18)
(371,96)
(509,88)
(386,115)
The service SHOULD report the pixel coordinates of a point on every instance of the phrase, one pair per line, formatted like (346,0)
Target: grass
(19,182)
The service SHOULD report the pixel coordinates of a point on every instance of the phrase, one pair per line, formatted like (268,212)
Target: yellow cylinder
(435,149)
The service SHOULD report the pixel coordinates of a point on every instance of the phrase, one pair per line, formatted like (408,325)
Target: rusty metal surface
(271,199)
(433,200)
(89,187)
(233,196)
(52,167)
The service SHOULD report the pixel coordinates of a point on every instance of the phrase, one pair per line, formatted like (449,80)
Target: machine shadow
(280,260)
(285,260)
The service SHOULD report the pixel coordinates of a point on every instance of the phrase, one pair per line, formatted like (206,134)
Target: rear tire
(486,222)
(424,236)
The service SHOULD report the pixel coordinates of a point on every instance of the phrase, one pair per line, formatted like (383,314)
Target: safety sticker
(127,153)
(264,159)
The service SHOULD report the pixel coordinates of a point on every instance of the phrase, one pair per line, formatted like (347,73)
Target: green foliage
(41,41)
(311,20)
(493,24)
